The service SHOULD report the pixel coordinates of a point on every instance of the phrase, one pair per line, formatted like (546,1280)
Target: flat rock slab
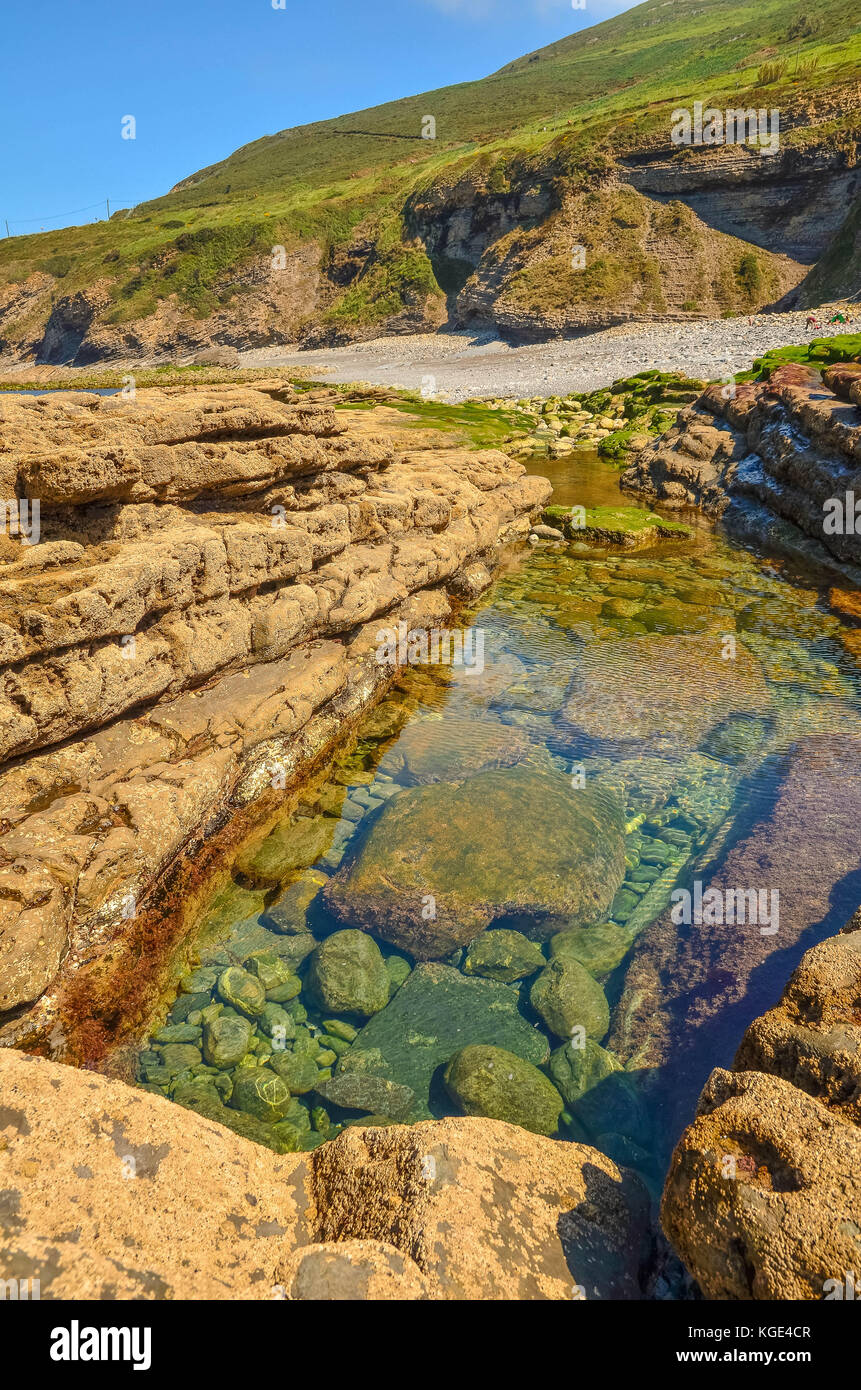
(434,1014)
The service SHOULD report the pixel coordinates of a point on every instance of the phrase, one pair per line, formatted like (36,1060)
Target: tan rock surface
(111,1192)
(764,1191)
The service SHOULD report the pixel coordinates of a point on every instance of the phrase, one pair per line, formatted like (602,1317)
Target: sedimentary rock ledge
(166,1204)
(211,570)
(771,458)
(764,1191)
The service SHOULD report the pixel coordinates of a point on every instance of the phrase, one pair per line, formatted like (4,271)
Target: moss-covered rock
(627,526)
(291,914)
(434,1014)
(575,1070)
(492,1082)
(226,1040)
(241,991)
(599,949)
(504,956)
(261,1093)
(347,975)
(297,1070)
(375,1094)
(567,997)
(292,845)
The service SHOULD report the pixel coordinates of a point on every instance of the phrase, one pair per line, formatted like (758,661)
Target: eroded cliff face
(763,1194)
(775,459)
(200,613)
(663,232)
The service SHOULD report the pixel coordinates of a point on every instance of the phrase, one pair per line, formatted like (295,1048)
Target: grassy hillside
(562,113)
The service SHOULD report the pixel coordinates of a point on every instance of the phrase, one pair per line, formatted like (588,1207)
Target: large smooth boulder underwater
(347,975)
(503,955)
(436,1013)
(568,998)
(501,1086)
(518,848)
(659,693)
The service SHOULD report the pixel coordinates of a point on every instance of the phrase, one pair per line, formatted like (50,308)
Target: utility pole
(108,206)
(6,220)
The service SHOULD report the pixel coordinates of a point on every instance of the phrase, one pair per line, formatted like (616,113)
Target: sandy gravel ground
(465,364)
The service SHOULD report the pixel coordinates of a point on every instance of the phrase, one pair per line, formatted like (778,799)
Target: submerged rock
(226,1041)
(504,956)
(659,693)
(489,1081)
(443,862)
(357,1091)
(599,949)
(261,1093)
(434,1014)
(451,750)
(292,845)
(568,998)
(347,975)
(242,991)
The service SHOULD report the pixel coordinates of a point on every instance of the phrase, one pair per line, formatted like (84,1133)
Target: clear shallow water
(603,669)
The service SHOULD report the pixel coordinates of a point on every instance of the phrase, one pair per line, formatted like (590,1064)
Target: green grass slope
(562,112)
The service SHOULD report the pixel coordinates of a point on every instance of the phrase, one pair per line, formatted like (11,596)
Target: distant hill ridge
(551,200)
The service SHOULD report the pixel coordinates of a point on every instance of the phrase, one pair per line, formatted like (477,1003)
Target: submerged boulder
(567,997)
(492,1082)
(503,955)
(347,975)
(443,862)
(450,750)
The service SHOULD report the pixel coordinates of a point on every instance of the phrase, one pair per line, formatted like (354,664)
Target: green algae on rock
(599,949)
(434,1014)
(567,998)
(575,1070)
(347,975)
(291,845)
(242,991)
(443,862)
(503,955)
(626,526)
(501,1086)
(452,750)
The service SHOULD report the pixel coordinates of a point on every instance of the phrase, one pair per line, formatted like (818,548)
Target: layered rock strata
(776,459)
(107,1192)
(198,617)
(764,1191)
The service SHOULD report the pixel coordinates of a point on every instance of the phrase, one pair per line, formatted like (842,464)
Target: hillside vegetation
(383,230)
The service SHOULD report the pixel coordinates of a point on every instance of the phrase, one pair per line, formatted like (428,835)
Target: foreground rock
(164,1204)
(763,1195)
(443,862)
(776,459)
(200,614)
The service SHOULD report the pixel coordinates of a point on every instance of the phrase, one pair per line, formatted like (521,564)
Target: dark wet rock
(242,991)
(177,1056)
(504,956)
(443,862)
(451,749)
(660,693)
(397,970)
(434,1014)
(375,1094)
(347,975)
(574,1070)
(492,1082)
(273,972)
(568,998)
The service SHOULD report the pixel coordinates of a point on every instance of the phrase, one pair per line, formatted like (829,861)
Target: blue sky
(202,77)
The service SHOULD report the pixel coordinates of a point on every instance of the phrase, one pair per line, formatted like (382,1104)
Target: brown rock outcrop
(763,1195)
(773,458)
(202,603)
(110,1192)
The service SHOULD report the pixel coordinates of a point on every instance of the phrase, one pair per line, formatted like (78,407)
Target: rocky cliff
(196,625)
(775,459)
(763,1195)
